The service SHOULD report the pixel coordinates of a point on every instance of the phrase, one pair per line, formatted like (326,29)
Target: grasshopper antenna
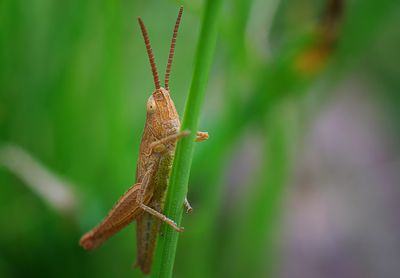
(172,49)
(150,54)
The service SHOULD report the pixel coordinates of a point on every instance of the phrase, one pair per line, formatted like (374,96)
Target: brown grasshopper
(144,201)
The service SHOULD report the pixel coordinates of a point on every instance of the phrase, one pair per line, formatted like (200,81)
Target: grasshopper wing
(123,213)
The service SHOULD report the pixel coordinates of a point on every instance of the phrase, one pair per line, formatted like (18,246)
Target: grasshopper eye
(151,105)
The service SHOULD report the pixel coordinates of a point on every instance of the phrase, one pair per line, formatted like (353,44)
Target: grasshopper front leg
(158,146)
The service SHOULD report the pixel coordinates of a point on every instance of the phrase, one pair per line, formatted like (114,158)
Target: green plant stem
(165,254)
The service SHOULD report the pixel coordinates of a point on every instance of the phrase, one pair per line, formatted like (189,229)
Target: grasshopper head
(161,106)
(161,112)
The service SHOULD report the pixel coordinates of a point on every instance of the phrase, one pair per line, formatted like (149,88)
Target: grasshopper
(144,201)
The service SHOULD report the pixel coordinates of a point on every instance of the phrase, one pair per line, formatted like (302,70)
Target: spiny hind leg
(162,217)
(201,136)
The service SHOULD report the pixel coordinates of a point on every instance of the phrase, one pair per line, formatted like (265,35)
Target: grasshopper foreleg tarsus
(162,217)
(187,206)
(201,136)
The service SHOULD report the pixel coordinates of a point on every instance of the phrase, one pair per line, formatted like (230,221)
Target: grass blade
(165,255)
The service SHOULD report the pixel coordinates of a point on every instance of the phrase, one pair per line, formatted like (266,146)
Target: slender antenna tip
(149,53)
(172,48)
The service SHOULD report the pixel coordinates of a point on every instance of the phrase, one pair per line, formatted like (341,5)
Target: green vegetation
(74,79)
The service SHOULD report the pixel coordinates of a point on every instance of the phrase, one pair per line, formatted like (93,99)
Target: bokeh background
(300,176)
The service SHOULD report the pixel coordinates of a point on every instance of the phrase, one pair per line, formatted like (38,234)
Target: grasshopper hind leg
(162,217)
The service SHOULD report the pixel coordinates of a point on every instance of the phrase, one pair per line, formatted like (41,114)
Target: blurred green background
(299,177)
